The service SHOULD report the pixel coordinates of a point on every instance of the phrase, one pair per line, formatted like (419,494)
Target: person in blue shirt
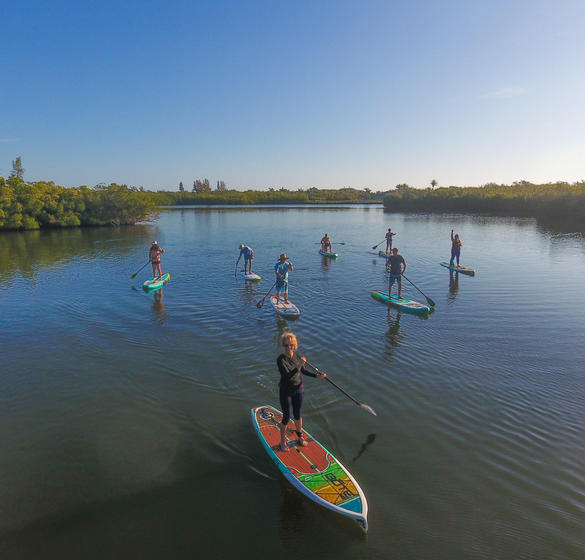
(248,253)
(281,269)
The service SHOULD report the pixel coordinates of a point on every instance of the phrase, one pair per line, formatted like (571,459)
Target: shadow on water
(369,440)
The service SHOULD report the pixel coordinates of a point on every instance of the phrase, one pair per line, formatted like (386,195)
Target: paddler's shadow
(453,284)
(325,263)
(158,306)
(369,440)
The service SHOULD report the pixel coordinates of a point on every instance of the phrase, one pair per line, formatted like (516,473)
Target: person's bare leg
(299,427)
(283,445)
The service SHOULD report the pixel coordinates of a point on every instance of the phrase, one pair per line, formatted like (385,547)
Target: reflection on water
(453,284)
(158,306)
(26,253)
(393,334)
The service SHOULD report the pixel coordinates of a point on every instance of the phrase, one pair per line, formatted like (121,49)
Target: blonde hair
(289,336)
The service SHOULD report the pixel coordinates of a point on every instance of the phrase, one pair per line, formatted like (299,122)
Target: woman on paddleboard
(455,248)
(154,258)
(326,244)
(291,366)
(281,269)
(397,266)
(248,253)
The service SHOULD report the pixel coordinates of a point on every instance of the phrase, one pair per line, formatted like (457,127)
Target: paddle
(261,302)
(333,243)
(134,275)
(236,269)
(429,300)
(361,405)
(375,246)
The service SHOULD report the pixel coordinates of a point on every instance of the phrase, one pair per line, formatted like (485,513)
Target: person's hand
(303,359)
(322,374)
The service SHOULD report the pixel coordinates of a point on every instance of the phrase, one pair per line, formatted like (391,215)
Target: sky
(295,94)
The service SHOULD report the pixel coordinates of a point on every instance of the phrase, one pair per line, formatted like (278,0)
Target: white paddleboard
(252,277)
(282,308)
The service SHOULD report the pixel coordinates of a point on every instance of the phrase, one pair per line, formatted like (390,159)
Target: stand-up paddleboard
(330,255)
(289,309)
(252,277)
(155,285)
(462,269)
(385,255)
(312,470)
(402,303)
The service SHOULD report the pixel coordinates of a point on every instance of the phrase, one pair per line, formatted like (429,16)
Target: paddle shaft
(261,302)
(429,300)
(361,405)
(132,277)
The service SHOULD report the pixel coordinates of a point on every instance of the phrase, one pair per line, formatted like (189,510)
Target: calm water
(124,417)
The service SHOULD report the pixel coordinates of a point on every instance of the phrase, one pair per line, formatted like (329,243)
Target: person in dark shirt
(290,367)
(455,248)
(397,266)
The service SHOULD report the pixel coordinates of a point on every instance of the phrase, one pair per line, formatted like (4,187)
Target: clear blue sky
(293,93)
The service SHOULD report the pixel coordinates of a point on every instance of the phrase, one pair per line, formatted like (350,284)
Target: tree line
(552,201)
(43,204)
(223,195)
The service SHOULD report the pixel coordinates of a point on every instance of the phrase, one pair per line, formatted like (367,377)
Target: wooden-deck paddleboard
(312,470)
(288,309)
(462,269)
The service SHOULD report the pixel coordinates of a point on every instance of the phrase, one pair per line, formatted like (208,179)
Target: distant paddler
(397,266)
(389,235)
(290,367)
(455,248)
(248,254)
(326,244)
(281,269)
(154,258)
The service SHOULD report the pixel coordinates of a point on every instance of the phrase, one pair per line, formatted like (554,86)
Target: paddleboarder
(389,235)
(397,266)
(290,367)
(455,248)
(326,244)
(154,258)
(248,253)
(281,269)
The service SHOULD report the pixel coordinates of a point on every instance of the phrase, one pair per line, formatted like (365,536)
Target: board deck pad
(462,269)
(313,470)
(151,285)
(252,277)
(285,308)
(402,303)
(330,255)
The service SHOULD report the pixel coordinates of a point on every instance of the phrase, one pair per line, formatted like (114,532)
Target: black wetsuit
(291,385)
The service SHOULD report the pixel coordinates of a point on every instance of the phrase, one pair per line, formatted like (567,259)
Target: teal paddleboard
(402,303)
(330,255)
(462,269)
(151,284)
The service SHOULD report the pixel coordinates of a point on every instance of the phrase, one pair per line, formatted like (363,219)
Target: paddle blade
(133,276)
(368,409)
(260,304)
(430,302)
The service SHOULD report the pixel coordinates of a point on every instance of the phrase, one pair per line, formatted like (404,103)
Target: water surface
(125,420)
